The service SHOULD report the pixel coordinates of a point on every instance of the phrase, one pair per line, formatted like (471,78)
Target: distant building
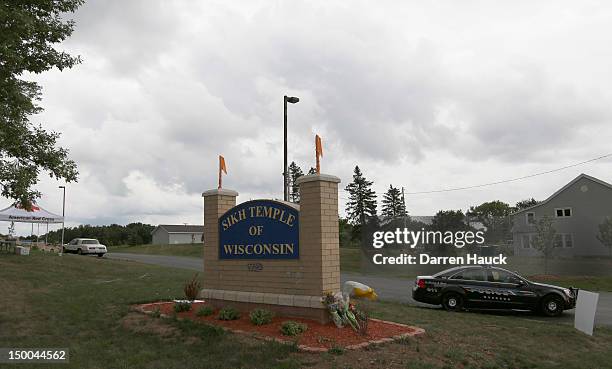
(171,234)
(577,210)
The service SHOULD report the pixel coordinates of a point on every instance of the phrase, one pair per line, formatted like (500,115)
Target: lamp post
(291,100)
(63,218)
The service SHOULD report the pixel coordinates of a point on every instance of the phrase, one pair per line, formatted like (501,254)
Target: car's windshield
(89,242)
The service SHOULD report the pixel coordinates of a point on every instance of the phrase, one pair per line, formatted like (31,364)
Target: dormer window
(563,212)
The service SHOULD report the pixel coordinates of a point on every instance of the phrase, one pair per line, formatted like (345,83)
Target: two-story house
(577,210)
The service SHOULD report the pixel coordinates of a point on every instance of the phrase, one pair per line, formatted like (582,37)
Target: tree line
(362,207)
(109,235)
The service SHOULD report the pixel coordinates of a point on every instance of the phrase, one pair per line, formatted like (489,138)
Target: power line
(508,180)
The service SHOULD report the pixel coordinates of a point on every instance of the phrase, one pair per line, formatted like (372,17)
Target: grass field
(176,250)
(83,303)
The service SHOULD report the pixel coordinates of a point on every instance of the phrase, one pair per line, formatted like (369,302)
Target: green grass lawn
(193,250)
(82,303)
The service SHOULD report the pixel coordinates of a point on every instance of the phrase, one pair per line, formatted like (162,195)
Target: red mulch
(317,336)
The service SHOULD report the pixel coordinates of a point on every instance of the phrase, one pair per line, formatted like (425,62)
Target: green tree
(449,220)
(362,199)
(29,30)
(544,239)
(494,215)
(295,172)
(605,233)
(524,204)
(393,203)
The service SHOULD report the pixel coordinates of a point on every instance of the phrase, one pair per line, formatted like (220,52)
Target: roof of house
(581,176)
(181,228)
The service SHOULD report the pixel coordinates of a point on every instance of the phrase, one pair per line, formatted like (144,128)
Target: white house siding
(176,238)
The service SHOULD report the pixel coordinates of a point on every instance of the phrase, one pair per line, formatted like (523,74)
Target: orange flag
(319,151)
(222,168)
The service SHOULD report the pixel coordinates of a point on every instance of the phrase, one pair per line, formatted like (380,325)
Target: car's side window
(472,274)
(501,276)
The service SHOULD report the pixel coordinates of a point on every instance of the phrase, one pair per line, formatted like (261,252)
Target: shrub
(205,311)
(228,314)
(291,328)
(181,306)
(261,316)
(192,288)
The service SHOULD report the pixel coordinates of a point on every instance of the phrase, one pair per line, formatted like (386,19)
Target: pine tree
(295,172)
(362,199)
(393,203)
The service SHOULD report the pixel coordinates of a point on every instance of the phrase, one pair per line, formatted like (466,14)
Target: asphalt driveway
(392,289)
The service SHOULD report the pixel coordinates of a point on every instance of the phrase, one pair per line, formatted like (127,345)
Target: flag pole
(318,152)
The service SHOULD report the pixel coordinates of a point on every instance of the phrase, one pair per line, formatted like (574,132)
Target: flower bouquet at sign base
(341,310)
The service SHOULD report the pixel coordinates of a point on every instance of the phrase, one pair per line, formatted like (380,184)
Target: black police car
(487,287)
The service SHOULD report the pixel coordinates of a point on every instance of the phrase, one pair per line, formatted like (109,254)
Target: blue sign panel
(259,229)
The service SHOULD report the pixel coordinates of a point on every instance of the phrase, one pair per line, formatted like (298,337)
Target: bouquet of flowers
(341,310)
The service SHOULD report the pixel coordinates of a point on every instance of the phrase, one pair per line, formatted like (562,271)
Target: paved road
(395,289)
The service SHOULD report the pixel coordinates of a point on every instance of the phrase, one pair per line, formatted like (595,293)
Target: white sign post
(586,306)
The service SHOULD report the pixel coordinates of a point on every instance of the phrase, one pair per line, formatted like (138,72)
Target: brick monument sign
(273,254)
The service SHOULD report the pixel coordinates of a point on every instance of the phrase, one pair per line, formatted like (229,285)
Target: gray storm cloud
(167,86)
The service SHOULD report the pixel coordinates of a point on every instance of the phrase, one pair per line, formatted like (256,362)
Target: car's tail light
(420,283)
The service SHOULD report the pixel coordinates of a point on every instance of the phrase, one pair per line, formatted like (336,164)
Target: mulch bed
(317,338)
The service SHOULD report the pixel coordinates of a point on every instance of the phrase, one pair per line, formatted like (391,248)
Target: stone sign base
(298,306)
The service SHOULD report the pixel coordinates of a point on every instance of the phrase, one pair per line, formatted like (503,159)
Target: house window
(530,217)
(568,240)
(526,241)
(558,242)
(563,212)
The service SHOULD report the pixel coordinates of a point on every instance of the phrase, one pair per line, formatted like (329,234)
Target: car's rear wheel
(100,255)
(80,252)
(452,301)
(552,305)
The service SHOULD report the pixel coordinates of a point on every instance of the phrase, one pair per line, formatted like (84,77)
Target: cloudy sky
(420,94)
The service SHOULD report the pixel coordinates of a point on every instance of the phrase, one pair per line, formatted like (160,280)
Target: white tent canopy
(15,213)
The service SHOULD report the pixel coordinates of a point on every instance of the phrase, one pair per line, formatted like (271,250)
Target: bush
(205,311)
(192,288)
(182,306)
(261,316)
(291,328)
(228,314)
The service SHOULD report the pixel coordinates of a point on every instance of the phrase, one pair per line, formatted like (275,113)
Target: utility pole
(406,211)
(63,218)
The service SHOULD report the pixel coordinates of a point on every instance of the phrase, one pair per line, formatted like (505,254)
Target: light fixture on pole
(63,218)
(291,100)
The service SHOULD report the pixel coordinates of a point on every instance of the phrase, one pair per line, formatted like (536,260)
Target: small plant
(291,328)
(336,350)
(228,314)
(156,313)
(362,319)
(192,288)
(181,306)
(205,311)
(261,316)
